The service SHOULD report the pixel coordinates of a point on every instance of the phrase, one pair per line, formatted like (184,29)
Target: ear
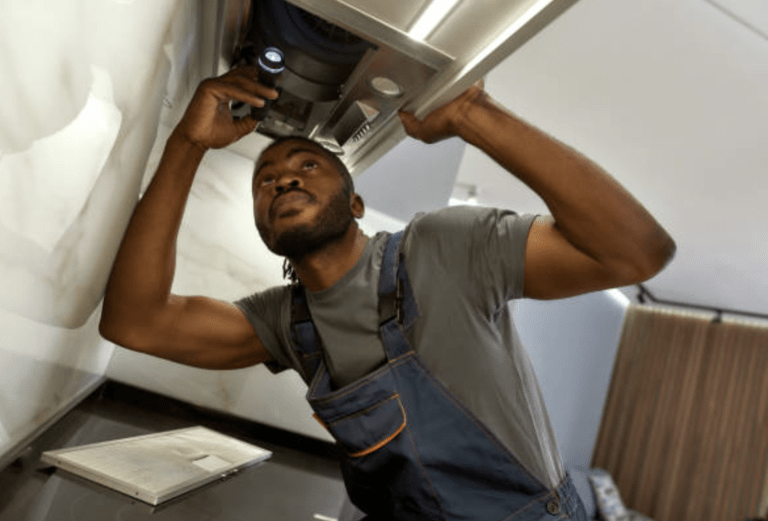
(357,205)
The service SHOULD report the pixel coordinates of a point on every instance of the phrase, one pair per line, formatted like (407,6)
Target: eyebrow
(293,152)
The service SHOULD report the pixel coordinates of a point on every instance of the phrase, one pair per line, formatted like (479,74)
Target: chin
(296,235)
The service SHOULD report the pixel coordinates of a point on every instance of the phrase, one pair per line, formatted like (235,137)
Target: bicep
(554,268)
(202,332)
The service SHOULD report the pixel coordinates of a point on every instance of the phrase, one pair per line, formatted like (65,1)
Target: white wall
(80,94)
(669,96)
(573,343)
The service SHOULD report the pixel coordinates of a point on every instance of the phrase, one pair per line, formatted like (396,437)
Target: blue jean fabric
(411,451)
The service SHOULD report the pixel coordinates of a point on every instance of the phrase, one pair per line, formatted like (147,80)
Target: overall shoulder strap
(396,301)
(306,341)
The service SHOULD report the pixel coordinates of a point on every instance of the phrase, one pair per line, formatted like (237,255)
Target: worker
(405,340)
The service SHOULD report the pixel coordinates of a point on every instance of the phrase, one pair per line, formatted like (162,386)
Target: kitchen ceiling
(672,99)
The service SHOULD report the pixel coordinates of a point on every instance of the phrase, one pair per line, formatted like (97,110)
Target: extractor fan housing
(350,66)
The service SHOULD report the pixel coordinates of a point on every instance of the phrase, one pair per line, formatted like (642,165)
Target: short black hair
(346,177)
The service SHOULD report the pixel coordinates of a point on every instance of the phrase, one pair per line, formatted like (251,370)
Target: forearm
(142,274)
(591,210)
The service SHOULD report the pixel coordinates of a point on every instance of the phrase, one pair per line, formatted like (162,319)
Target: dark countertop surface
(301,481)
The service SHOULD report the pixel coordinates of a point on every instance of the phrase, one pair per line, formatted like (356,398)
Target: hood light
(385,87)
(430,18)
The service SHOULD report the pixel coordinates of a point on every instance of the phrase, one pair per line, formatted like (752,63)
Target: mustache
(288,191)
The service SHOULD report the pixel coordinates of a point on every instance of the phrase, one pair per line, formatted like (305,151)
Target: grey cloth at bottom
(464,264)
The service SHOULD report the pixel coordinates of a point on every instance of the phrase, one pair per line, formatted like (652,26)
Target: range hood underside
(349,69)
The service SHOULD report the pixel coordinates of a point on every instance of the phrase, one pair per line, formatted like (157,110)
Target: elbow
(654,257)
(109,322)
(119,330)
(107,328)
(114,331)
(109,331)
(128,337)
(660,255)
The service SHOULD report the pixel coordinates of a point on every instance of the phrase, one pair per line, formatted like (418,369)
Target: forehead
(289,147)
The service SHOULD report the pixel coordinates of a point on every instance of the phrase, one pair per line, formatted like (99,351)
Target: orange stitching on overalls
(401,357)
(383,442)
(315,416)
(378,445)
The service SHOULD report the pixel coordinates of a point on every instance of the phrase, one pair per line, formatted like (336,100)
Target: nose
(286,183)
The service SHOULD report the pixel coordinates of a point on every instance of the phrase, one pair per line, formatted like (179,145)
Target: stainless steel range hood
(350,66)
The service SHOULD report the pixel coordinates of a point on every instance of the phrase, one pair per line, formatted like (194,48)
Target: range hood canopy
(350,66)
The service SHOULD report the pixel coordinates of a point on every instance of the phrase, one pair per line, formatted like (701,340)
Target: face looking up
(301,201)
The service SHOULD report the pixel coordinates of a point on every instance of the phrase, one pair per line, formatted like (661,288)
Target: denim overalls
(411,451)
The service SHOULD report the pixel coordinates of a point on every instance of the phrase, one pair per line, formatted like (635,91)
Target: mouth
(286,203)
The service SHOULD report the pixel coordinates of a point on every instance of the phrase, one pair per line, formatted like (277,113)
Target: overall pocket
(368,430)
(381,466)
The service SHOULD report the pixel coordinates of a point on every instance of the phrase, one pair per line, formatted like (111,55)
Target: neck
(322,268)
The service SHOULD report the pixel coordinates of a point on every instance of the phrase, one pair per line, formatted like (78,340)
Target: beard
(297,242)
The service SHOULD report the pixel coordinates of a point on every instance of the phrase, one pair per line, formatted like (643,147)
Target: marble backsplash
(43,371)
(81,95)
(82,85)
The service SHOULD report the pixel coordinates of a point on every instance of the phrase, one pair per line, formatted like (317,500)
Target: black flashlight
(271,64)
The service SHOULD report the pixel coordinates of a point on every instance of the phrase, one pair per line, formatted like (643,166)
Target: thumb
(245,125)
(410,122)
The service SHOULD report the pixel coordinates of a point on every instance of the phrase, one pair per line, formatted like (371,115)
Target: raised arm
(598,235)
(139,311)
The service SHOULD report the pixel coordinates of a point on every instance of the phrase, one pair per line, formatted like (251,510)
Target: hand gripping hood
(350,66)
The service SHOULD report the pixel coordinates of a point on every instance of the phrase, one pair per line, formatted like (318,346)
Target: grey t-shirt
(464,264)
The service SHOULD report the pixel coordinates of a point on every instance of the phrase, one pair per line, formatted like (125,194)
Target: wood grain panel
(685,427)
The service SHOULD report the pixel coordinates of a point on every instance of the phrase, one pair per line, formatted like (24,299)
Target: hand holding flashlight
(271,63)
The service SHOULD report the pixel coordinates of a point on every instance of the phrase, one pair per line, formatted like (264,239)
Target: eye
(309,164)
(267,180)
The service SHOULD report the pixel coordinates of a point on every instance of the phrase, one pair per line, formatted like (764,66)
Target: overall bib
(410,450)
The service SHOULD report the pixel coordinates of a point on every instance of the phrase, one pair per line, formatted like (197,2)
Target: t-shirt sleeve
(267,311)
(481,249)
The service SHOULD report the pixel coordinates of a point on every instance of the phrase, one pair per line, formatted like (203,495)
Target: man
(405,339)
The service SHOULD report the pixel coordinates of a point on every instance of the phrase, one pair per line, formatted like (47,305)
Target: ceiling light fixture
(430,18)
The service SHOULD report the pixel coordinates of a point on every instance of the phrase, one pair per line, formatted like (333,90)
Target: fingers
(234,90)
(425,131)
(240,84)
(247,77)
(208,120)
